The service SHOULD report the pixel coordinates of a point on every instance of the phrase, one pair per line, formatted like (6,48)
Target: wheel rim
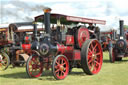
(95,57)
(61,67)
(35,67)
(3,62)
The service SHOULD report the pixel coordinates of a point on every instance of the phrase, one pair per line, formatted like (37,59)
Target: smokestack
(121,29)
(35,30)
(47,20)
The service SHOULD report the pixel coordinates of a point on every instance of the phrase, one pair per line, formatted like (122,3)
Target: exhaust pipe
(47,20)
(35,30)
(121,29)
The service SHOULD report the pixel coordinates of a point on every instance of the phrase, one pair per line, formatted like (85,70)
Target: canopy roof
(65,19)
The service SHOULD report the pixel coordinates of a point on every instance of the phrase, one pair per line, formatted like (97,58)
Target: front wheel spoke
(62,61)
(93,66)
(57,63)
(3,64)
(61,73)
(63,64)
(64,68)
(56,67)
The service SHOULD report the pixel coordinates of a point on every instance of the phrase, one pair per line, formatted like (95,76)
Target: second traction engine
(120,49)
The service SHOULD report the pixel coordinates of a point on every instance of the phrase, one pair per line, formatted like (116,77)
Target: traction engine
(120,49)
(63,51)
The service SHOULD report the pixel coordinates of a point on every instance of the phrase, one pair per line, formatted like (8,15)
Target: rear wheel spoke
(89,61)
(99,53)
(95,46)
(97,63)
(57,70)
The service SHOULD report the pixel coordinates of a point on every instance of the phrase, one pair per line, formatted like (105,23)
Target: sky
(25,10)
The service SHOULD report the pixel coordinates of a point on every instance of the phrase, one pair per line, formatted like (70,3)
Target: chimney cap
(47,10)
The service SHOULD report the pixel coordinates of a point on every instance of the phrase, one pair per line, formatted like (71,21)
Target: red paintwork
(69,56)
(26,47)
(76,55)
(69,40)
(126,34)
(83,35)
(106,32)
(27,39)
(64,49)
(86,20)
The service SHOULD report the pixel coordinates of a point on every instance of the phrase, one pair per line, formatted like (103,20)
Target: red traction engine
(120,49)
(62,52)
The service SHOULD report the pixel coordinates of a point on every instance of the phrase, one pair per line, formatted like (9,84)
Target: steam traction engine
(108,38)
(21,46)
(120,49)
(63,50)
(4,42)
(15,44)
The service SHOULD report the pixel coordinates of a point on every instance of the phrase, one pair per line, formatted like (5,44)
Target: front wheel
(34,67)
(91,56)
(60,67)
(4,61)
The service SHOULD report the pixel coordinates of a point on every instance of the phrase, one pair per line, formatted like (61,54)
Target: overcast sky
(25,10)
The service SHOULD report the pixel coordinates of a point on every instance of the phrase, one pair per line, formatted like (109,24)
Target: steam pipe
(35,30)
(47,20)
(121,28)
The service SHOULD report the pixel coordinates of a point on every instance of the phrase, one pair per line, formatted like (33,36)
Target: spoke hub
(93,57)
(61,67)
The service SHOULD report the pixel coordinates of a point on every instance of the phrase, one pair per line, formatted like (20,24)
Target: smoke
(19,11)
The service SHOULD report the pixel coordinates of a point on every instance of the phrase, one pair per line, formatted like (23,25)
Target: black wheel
(112,53)
(60,67)
(34,67)
(4,61)
(91,57)
(118,59)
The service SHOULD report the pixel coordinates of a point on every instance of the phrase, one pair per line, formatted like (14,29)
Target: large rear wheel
(60,67)
(91,57)
(4,61)
(34,67)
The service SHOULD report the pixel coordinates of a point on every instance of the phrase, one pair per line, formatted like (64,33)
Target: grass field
(110,74)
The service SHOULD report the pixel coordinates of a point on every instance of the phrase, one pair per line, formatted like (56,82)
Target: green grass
(110,74)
